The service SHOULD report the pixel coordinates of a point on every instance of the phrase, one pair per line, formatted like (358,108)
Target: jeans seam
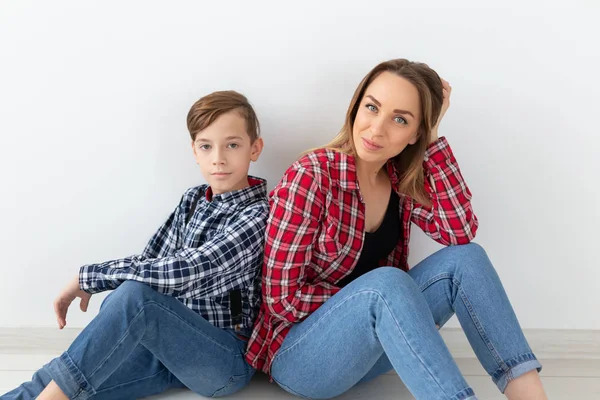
(410,347)
(364,291)
(209,338)
(468,392)
(434,279)
(472,314)
(509,372)
(232,379)
(489,345)
(143,309)
(75,373)
(229,382)
(285,350)
(118,343)
(132,381)
(287,388)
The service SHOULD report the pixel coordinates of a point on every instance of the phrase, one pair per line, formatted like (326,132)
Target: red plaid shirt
(316,229)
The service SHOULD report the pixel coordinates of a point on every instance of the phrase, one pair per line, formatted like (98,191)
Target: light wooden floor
(569,378)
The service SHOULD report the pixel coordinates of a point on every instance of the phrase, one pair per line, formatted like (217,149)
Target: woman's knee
(389,279)
(472,259)
(474,250)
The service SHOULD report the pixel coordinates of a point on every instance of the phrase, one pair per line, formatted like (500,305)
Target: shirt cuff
(89,282)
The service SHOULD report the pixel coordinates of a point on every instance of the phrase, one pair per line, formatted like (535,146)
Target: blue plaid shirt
(200,262)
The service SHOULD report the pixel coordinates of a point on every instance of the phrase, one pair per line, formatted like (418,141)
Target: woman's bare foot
(526,387)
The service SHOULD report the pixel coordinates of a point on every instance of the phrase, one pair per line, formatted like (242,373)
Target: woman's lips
(369,145)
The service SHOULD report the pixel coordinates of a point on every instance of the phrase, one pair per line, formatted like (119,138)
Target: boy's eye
(371,107)
(233,145)
(204,147)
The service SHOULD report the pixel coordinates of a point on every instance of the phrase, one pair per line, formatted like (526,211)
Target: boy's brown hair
(210,107)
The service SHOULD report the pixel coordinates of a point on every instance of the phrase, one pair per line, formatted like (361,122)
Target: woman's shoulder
(321,160)
(320,168)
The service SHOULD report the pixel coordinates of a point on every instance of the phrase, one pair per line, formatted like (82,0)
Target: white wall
(94,152)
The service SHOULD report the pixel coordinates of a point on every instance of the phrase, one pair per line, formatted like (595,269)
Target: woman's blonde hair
(409,163)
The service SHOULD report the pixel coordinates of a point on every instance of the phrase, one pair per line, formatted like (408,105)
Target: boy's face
(223,151)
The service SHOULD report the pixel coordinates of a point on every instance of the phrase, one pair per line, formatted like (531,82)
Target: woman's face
(388,118)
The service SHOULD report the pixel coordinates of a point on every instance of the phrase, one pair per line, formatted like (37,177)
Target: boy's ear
(257,148)
(194,148)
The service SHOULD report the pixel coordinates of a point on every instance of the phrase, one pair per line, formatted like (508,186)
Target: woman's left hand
(446,89)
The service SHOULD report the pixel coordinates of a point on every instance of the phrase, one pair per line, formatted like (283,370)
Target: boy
(181,312)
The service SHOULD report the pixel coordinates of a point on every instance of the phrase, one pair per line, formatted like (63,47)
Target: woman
(340,305)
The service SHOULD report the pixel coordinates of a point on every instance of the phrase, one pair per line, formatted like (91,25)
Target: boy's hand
(66,297)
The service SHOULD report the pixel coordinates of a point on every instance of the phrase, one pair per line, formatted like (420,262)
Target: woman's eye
(371,107)
(400,120)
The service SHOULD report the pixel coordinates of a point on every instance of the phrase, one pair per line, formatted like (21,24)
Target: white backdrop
(94,152)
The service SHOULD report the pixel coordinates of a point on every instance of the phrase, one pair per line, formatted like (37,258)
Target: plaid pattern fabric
(316,230)
(219,250)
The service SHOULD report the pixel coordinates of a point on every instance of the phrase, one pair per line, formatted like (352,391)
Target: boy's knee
(132,290)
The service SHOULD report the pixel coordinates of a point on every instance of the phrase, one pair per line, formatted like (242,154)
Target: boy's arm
(166,239)
(227,261)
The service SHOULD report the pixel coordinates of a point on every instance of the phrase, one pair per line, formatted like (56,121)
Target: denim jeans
(142,343)
(386,319)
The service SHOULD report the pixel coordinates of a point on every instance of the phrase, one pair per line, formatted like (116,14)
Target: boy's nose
(219,161)
(219,158)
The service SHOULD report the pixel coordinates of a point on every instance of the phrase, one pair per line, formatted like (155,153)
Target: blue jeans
(142,343)
(386,320)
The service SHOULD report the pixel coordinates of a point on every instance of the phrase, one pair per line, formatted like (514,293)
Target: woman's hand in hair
(447,90)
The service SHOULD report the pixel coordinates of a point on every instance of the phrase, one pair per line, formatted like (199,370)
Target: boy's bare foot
(52,392)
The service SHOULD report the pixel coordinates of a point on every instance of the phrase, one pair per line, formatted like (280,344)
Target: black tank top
(379,244)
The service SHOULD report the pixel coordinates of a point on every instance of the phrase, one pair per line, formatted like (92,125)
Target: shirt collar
(257,189)
(393,174)
(349,178)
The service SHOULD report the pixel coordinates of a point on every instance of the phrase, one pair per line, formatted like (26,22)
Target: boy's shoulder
(258,201)
(190,199)
(193,194)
